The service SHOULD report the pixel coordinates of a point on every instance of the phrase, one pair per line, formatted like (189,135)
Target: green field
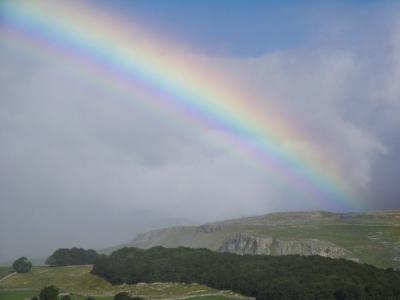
(16,295)
(78,281)
(4,271)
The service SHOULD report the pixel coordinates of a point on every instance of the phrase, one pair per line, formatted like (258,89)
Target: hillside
(372,237)
(5,271)
(78,281)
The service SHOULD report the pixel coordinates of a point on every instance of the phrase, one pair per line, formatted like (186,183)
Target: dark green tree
(73,256)
(22,265)
(125,296)
(351,293)
(49,293)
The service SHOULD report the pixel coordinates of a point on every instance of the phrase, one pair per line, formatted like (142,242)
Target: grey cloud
(82,166)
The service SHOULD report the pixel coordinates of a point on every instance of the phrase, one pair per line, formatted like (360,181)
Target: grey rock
(247,244)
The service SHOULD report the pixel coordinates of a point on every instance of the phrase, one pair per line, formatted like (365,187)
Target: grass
(216,297)
(78,281)
(24,295)
(16,295)
(4,271)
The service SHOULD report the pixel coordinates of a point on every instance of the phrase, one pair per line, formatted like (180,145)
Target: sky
(84,164)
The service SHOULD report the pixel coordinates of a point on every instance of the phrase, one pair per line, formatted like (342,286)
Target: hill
(265,277)
(372,237)
(78,281)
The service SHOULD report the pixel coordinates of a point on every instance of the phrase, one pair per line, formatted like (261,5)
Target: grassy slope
(356,238)
(4,271)
(373,238)
(78,281)
(24,295)
(16,295)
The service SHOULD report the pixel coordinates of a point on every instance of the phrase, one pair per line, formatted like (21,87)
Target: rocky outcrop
(309,247)
(209,228)
(247,244)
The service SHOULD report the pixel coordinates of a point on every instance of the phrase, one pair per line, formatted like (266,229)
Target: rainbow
(114,53)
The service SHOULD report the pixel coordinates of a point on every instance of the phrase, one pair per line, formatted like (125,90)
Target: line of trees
(260,276)
(73,256)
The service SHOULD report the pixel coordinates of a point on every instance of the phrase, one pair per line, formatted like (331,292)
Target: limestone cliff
(246,244)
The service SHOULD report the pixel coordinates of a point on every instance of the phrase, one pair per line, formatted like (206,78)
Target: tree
(49,293)
(122,296)
(125,296)
(22,265)
(73,256)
